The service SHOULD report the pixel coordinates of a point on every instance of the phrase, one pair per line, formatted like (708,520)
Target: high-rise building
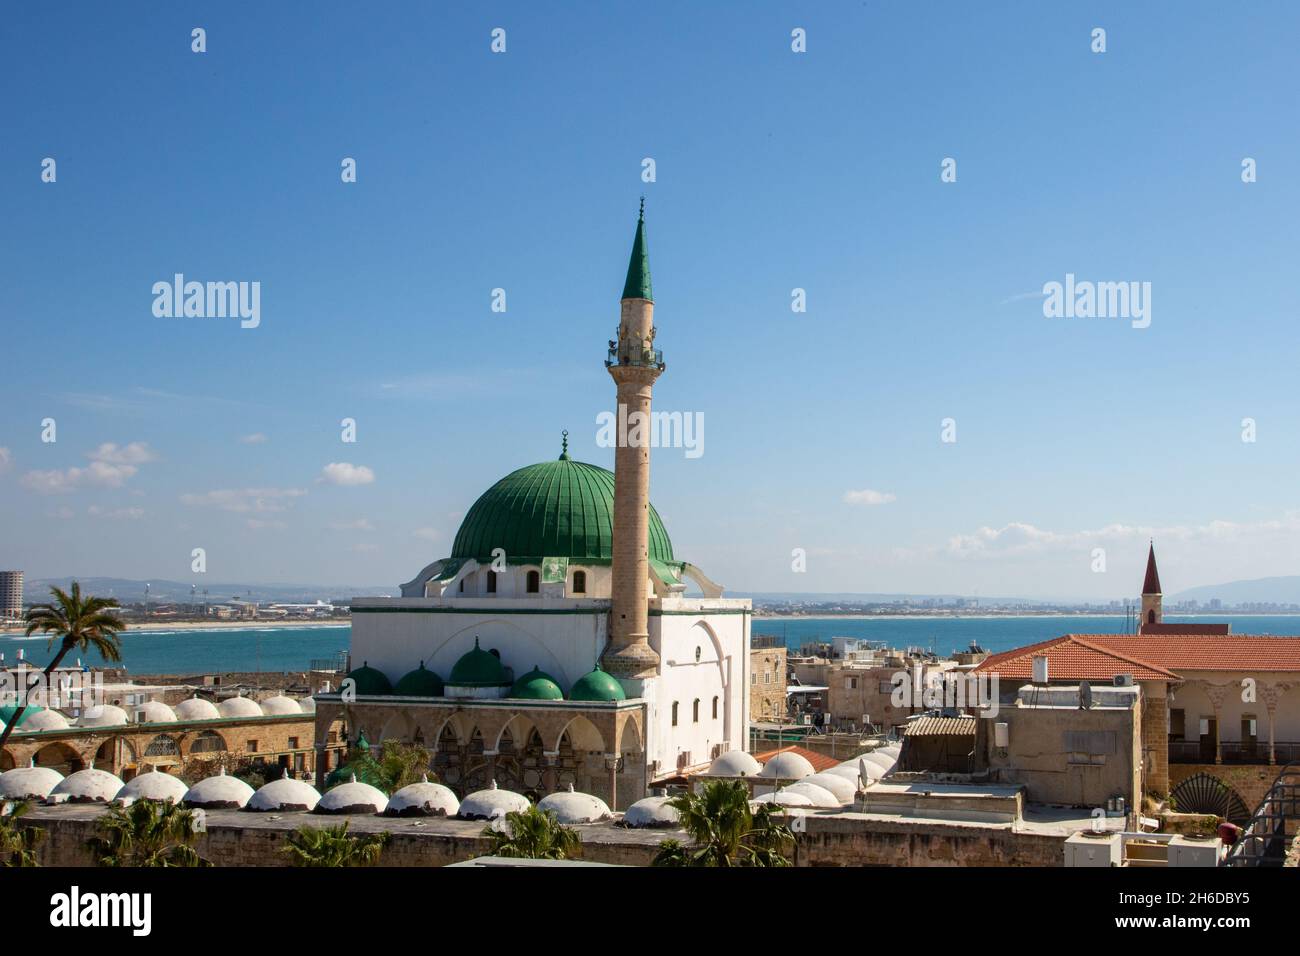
(11,595)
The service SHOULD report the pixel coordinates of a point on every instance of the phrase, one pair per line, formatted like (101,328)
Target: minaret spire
(1152,600)
(637,285)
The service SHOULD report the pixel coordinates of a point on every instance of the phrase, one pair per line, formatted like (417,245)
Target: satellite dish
(1085,695)
(863,779)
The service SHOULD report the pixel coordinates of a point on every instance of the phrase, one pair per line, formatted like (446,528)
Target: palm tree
(147,833)
(724,831)
(333,846)
(81,623)
(532,834)
(18,843)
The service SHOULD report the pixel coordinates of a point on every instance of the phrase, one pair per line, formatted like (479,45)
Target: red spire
(1152,584)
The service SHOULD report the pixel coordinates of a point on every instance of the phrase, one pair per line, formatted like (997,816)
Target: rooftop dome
(555,509)
(420,682)
(536,685)
(44,719)
(478,668)
(651,813)
(845,771)
(787,765)
(882,760)
(154,786)
(307,705)
(88,786)
(369,682)
(102,715)
(734,763)
(219,793)
(571,807)
(353,797)
(490,803)
(7,715)
(284,794)
(423,799)
(239,707)
(784,798)
(279,706)
(196,708)
(28,783)
(154,712)
(818,796)
(597,685)
(842,788)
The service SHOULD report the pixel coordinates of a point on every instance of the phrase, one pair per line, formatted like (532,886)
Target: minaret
(634,364)
(1151,598)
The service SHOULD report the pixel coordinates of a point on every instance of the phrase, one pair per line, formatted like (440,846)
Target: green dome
(370,682)
(7,715)
(364,774)
(556,509)
(420,682)
(597,686)
(478,668)
(537,685)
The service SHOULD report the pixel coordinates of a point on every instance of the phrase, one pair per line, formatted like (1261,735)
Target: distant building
(11,595)
(767,679)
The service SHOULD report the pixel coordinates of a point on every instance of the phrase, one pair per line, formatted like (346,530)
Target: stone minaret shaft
(634,364)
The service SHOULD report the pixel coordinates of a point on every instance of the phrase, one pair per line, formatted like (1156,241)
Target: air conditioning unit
(1123,680)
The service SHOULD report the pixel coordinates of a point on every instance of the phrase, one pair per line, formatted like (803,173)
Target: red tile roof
(1072,658)
(819,762)
(1186,628)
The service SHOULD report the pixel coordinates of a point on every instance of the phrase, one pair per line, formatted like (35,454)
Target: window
(579,582)
(850,683)
(293,743)
(299,763)
(753,678)
(207,743)
(252,747)
(695,711)
(462,585)
(715,708)
(492,582)
(534,582)
(1177,724)
(674,713)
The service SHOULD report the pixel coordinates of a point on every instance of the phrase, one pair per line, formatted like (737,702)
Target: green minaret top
(637,285)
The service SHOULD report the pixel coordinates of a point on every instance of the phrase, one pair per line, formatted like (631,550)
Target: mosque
(557,644)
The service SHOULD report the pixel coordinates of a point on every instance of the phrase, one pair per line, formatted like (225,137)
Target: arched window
(674,713)
(1151,617)
(161,746)
(715,708)
(579,582)
(492,582)
(695,711)
(462,585)
(534,582)
(207,743)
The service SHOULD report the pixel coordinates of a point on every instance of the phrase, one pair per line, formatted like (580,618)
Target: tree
(79,623)
(333,846)
(148,833)
(397,766)
(724,831)
(18,843)
(532,834)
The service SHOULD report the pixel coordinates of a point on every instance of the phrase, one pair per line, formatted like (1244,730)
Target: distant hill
(161,591)
(1283,590)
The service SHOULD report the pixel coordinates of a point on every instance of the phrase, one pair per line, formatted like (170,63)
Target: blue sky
(775,170)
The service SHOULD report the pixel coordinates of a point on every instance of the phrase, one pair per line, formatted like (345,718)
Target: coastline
(147,626)
(1002,617)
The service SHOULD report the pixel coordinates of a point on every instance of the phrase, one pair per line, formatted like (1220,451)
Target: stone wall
(1251,781)
(767,670)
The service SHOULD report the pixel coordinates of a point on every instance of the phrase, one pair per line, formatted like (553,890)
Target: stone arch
(7,761)
(207,742)
(162,746)
(1205,793)
(493,631)
(61,757)
(582,735)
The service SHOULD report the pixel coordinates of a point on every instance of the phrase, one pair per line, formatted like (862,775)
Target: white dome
(284,794)
(819,796)
(196,708)
(787,765)
(88,786)
(307,705)
(154,785)
(570,807)
(219,793)
(28,783)
(44,719)
(239,707)
(784,798)
(872,770)
(884,761)
(848,771)
(490,803)
(841,788)
(651,813)
(280,705)
(353,797)
(102,715)
(154,712)
(423,799)
(734,763)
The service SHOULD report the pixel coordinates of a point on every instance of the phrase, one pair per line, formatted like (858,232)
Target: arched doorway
(1204,793)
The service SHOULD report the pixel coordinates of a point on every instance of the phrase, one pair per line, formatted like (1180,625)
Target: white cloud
(868,497)
(135,453)
(257,438)
(241,500)
(346,473)
(99,473)
(6,459)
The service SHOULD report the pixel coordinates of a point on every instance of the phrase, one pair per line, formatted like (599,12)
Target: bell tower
(1151,596)
(634,364)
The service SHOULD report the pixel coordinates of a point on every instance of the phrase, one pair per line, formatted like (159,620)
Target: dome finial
(564,448)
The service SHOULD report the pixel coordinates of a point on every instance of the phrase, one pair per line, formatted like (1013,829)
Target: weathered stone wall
(767,683)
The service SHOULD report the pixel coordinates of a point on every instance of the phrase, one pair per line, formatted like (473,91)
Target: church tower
(635,364)
(1151,597)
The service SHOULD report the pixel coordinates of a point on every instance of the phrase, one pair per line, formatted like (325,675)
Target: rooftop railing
(645,358)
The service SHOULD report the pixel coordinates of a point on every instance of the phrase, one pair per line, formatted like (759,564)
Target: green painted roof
(478,668)
(7,715)
(370,682)
(597,685)
(555,509)
(420,682)
(537,685)
(637,285)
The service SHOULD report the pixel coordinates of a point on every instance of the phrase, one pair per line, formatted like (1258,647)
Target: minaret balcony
(639,358)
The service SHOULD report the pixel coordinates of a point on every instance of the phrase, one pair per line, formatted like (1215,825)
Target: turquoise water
(183,651)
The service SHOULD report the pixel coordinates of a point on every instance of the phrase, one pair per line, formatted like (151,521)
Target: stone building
(767,679)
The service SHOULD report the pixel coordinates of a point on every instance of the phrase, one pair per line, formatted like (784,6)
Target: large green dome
(556,509)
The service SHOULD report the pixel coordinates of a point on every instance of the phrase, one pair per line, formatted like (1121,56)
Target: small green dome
(370,682)
(478,668)
(537,685)
(420,682)
(7,715)
(345,773)
(597,686)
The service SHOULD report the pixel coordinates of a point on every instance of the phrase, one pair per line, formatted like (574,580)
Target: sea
(283,649)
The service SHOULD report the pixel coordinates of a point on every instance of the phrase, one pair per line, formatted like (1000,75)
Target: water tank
(1002,735)
(1040,670)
